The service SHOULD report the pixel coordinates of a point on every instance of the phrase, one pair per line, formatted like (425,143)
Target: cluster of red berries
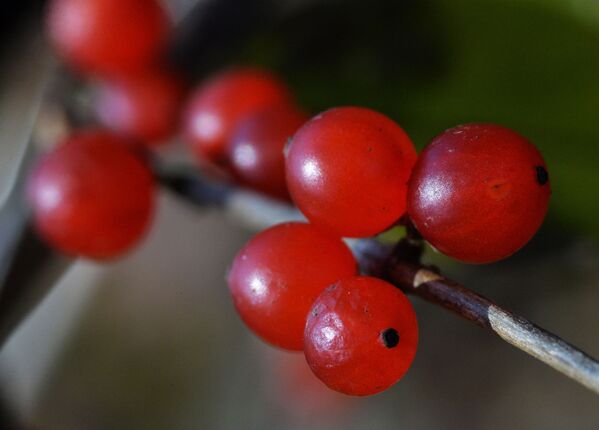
(477,193)
(93,195)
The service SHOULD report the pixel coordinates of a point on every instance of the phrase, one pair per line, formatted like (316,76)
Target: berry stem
(401,266)
(416,279)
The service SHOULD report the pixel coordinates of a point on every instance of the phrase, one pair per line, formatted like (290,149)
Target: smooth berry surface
(218,105)
(91,197)
(347,170)
(361,336)
(144,107)
(278,274)
(479,192)
(108,37)
(256,152)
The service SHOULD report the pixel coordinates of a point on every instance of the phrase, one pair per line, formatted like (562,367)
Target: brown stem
(401,268)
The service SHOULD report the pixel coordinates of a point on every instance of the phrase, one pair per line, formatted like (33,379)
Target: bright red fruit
(91,197)
(479,192)
(347,170)
(108,37)
(361,336)
(144,107)
(278,274)
(256,149)
(219,104)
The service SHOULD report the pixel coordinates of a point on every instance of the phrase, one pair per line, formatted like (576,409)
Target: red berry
(217,107)
(347,170)
(278,274)
(361,336)
(143,107)
(108,37)
(256,150)
(91,197)
(479,192)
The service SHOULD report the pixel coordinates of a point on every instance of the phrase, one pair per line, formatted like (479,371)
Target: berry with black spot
(361,336)
(479,192)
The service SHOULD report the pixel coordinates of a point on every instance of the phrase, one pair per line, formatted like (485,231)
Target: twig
(403,270)
(401,266)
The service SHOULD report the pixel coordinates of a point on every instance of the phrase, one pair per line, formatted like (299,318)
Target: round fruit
(361,336)
(143,107)
(217,107)
(91,197)
(278,274)
(256,150)
(479,192)
(347,170)
(108,37)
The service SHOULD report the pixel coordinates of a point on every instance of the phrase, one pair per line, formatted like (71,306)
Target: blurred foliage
(530,65)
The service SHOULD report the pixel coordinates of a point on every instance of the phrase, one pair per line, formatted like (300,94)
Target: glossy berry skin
(217,107)
(347,170)
(108,37)
(91,197)
(479,192)
(256,152)
(143,107)
(278,274)
(361,336)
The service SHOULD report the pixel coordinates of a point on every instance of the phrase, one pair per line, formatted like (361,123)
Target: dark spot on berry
(499,189)
(369,149)
(542,175)
(390,337)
